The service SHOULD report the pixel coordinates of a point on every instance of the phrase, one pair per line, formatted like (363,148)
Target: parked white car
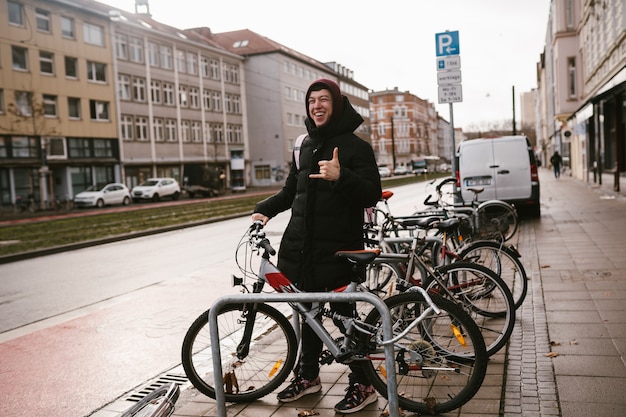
(154,189)
(101,195)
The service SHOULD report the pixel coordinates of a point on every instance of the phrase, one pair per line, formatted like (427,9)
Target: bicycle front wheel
(502,260)
(253,364)
(440,363)
(483,295)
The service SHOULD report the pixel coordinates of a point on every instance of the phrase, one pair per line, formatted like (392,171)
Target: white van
(504,167)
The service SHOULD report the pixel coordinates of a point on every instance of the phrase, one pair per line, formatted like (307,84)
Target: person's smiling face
(320,107)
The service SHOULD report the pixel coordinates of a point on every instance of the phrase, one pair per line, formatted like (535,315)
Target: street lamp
(393,146)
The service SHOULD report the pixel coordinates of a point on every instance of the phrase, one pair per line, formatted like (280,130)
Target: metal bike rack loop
(311,297)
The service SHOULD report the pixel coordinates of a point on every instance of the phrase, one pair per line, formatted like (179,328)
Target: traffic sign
(448,77)
(447,43)
(452,62)
(452,93)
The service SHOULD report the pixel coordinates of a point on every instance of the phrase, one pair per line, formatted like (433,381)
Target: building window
(238,134)
(262,172)
(49,105)
(217,101)
(166,57)
(204,67)
(185,133)
(24,147)
(196,132)
(73,107)
(157,125)
(168,94)
(139,89)
(102,149)
(126,127)
(153,54)
(206,98)
(571,77)
(155,91)
(181,63)
(99,110)
(192,63)
(23,103)
(20,58)
(67,27)
(71,67)
(93,34)
(121,46)
(141,128)
(215,69)
(1,101)
(96,71)
(170,130)
(136,50)
(123,82)
(183,96)
(43,20)
(16,13)
(194,97)
(46,62)
(236,104)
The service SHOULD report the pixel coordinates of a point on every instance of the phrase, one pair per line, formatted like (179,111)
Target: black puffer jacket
(326,216)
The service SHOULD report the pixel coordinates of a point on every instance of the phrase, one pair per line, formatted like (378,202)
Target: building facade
(58,131)
(404,128)
(582,86)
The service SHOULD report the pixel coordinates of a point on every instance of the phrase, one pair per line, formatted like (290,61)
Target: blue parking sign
(447,43)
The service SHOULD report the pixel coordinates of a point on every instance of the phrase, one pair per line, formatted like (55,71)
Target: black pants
(309,367)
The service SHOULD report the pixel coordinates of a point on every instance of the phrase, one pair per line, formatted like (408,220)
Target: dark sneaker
(357,397)
(298,388)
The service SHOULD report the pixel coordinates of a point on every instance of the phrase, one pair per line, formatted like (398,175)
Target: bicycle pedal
(326,358)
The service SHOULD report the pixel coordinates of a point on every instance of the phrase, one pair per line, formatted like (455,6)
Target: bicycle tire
(271,357)
(158,403)
(502,260)
(496,220)
(449,374)
(483,294)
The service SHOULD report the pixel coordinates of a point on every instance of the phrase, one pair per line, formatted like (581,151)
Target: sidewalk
(567,354)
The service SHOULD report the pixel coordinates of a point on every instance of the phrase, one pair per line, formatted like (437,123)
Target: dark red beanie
(335,91)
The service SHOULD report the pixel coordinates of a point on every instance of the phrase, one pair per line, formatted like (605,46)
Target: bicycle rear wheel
(502,260)
(440,363)
(496,220)
(483,295)
(270,356)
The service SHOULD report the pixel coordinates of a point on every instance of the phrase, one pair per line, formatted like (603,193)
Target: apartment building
(58,131)
(180,101)
(404,128)
(582,86)
(92,94)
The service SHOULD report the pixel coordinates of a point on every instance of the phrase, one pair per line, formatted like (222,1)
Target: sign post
(448,53)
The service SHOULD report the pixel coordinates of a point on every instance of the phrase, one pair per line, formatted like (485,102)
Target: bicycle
(447,245)
(491,219)
(158,403)
(439,353)
(404,263)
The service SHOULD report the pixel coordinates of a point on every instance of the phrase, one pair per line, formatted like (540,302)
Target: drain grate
(165,379)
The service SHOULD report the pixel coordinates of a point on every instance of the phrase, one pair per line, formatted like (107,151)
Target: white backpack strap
(296,149)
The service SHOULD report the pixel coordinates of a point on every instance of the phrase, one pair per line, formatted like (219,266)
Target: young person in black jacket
(334,179)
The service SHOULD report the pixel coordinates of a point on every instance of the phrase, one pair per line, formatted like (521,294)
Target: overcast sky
(391,43)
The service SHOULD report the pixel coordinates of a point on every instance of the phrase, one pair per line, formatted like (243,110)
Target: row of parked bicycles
(448,275)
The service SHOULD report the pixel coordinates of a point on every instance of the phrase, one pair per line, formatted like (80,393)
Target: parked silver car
(154,189)
(101,195)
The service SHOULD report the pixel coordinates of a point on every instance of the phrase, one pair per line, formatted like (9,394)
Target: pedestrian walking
(332,179)
(556,160)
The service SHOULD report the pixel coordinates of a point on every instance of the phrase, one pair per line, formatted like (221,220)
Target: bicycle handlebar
(256,231)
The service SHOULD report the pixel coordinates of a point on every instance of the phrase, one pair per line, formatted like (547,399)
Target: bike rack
(392,388)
